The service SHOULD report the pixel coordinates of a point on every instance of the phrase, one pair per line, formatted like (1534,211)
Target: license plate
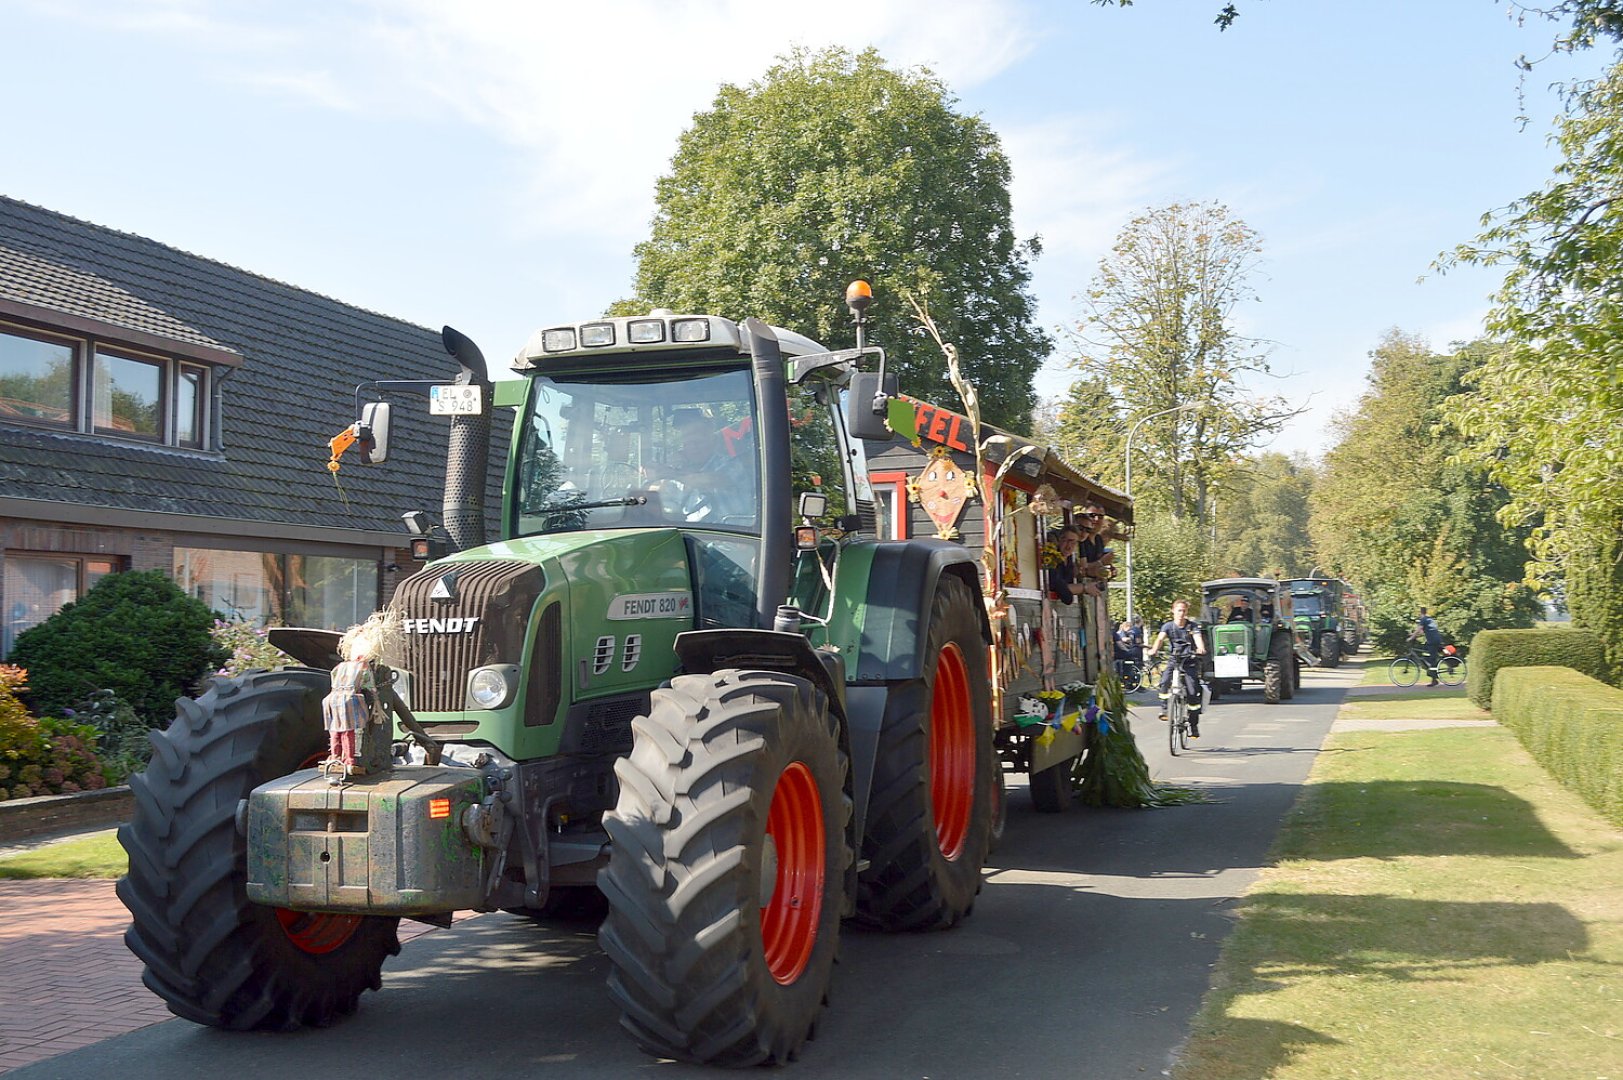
(456,400)
(1232,666)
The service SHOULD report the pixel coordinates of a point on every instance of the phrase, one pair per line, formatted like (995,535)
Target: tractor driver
(717,486)
(1241,611)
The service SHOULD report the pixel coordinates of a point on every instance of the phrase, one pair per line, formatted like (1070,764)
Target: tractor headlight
(561,339)
(493,687)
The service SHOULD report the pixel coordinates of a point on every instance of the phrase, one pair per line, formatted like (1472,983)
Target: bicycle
(1406,669)
(1131,674)
(1177,707)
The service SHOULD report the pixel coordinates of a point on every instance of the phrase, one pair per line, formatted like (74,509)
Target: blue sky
(490,163)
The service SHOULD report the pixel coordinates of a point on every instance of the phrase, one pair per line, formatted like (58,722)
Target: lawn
(1435,906)
(94,856)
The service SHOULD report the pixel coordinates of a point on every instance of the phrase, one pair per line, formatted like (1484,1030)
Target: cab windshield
(600,451)
(1307,603)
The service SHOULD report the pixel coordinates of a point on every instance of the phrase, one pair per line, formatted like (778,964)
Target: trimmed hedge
(1491,650)
(1572,725)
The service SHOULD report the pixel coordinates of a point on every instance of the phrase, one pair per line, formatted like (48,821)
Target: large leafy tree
(1157,327)
(834,166)
(1402,513)
(1546,409)
(1085,426)
(1262,518)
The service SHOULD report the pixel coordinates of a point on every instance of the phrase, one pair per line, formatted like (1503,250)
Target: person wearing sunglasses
(1094,561)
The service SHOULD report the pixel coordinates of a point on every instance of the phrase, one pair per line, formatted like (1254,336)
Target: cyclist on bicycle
(1184,640)
(1426,630)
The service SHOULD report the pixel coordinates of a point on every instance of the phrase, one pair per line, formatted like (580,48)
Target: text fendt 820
(684,677)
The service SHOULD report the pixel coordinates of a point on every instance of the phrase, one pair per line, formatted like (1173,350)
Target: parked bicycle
(1131,673)
(1406,669)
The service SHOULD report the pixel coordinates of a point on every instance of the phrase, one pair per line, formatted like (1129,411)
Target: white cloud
(590,97)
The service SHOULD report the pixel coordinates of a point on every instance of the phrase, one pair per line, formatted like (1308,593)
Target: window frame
(165,434)
(76,346)
(117,563)
(87,349)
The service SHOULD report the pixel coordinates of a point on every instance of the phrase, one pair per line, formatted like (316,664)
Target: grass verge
(1435,906)
(1443,703)
(97,856)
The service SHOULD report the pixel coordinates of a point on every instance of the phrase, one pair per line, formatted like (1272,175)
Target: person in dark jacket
(1184,640)
(1426,631)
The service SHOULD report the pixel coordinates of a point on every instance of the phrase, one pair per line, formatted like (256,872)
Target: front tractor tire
(726,874)
(1332,650)
(929,821)
(214,957)
(1273,680)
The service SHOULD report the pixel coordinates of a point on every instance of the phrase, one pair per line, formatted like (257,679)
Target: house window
(189,406)
(45,380)
(890,496)
(36,587)
(37,380)
(128,396)
(269,589)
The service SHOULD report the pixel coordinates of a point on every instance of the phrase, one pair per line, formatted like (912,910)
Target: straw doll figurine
(351,712)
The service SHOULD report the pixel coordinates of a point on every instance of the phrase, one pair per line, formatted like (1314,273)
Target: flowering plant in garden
(42,757)
(249,650)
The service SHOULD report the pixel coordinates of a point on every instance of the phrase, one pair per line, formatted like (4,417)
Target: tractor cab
(1248,636)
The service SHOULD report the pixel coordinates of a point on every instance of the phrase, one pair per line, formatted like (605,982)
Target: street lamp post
(1130,433)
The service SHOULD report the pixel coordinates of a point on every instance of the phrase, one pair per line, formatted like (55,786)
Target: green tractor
(685,686)
(1249,638)
(1317,609)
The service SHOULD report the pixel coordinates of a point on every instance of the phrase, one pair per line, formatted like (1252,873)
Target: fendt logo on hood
(440,626)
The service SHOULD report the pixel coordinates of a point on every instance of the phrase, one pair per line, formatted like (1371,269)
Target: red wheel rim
(315,933)
(311,931)
(789,916)
(952,752)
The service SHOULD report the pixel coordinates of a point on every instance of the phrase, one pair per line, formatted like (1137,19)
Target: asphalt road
(1087,954)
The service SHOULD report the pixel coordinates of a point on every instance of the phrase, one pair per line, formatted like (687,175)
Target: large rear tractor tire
(929,818)
(213,957)
(726,873)
(1273,681)
(1332,651)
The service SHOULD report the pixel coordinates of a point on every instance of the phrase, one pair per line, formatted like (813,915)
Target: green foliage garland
(1113,772)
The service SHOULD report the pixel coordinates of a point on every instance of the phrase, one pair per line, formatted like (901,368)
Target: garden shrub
(135,633)
(1572,724)
(247,648)
(123,740)
(1491,650)
(42,757)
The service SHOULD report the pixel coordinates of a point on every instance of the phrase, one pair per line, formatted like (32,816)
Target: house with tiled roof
(159,410)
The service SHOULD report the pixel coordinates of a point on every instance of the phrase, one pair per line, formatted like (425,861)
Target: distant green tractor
(1249,638)
(1317,612)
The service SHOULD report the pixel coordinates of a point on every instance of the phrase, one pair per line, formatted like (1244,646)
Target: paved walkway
(66,978)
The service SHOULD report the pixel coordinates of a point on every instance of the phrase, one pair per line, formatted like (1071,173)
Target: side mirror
(374,433)
(867,403)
